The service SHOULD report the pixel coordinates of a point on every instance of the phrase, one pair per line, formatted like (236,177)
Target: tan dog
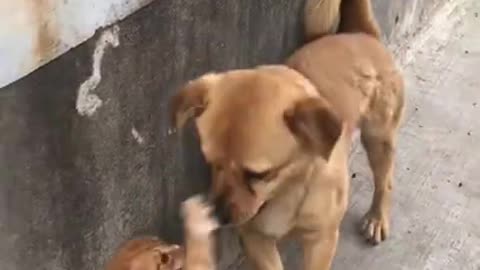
(278,137)
(151,253)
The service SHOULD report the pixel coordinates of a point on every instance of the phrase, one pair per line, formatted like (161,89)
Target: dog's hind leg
(379,132)
(380,151)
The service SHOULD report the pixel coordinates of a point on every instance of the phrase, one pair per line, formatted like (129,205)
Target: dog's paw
(197,217)
(375,227)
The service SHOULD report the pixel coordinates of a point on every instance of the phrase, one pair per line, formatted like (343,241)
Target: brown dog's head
(147,253)
(259,129)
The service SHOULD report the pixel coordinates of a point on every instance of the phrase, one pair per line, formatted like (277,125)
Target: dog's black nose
(222,211)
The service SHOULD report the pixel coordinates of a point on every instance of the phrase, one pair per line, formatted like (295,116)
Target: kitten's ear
(145,253)
(191,100)
(314,125)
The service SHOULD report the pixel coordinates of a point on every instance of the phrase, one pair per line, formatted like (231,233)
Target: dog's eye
(251,175)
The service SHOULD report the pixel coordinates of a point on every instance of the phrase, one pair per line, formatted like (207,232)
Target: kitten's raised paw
(197,216)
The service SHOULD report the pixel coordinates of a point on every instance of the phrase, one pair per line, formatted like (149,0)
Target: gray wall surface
(72,187)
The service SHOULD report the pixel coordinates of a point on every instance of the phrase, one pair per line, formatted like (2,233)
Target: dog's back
(344,57)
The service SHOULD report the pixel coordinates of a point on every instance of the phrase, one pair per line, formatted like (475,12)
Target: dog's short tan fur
(323,17)
(148,253)
(278,137)
(151,253)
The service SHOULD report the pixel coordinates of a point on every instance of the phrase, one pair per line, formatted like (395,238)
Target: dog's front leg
(319,250)
(261,250)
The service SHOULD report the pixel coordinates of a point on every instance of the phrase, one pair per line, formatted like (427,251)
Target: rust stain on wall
(44,20)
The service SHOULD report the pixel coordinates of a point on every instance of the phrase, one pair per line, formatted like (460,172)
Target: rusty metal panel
(32,33)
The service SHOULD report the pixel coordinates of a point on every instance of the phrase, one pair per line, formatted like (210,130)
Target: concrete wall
(86,158)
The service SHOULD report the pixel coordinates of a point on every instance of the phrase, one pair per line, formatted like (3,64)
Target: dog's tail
(324,17)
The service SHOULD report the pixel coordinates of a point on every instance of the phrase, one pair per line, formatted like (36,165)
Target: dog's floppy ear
(187,103)
(191,101)
(315,125)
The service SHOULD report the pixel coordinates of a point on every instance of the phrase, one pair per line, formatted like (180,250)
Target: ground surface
(436,213)
(436,210)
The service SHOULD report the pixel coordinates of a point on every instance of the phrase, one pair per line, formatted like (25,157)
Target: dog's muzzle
(222,211)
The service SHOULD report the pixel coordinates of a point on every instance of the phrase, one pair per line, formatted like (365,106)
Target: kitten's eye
(251,175)
(165,258)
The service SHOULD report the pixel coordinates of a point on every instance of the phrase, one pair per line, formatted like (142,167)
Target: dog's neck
(349,128)
(351,131)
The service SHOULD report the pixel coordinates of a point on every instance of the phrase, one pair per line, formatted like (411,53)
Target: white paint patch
(136,135)
(87,102)
(171,131)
